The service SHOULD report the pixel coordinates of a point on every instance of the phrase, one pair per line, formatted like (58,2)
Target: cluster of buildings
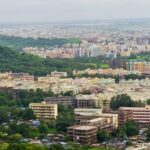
(67,51)
(110,71)
(141,66)
(86,49)
(90,100)
(109,45)
(90,120)
(98,89)
(95,42)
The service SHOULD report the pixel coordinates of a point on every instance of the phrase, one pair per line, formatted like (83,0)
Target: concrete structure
(101,123)
(83,134)
(124,116)
(88,101)
(140,114)
(66,101)
(44,110)
(87,115)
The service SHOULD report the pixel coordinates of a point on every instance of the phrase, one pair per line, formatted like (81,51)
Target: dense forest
(11,60)
(19,43)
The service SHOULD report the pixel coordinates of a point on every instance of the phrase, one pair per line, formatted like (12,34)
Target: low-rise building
(66,101)
(124,115)
(88,101)
(44,110)
(95,116)
(101,123)
(140,114)
(83,134)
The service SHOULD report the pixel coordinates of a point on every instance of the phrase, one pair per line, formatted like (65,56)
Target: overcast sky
(63,10)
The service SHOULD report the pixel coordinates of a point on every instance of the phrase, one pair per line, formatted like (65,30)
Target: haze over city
(75,74)
(17,11)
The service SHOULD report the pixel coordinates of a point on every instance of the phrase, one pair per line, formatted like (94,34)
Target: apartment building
(100,123)
(140,114)
(82,134)
(66,101)
(44,110)
(95,116)
(124,115)
(86,114)
(88,101)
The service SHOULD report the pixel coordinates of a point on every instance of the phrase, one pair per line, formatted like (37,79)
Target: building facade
(82,134)
(140,114)
(44,111)
(66,101)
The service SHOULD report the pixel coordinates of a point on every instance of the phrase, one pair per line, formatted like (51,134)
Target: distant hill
(19,43)
(11,60)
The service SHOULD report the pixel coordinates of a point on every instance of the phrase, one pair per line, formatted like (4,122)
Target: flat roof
(134,108)
(97,119)
(82,127)
(85,127)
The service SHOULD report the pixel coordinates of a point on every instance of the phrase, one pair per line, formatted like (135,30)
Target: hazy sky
(62,10)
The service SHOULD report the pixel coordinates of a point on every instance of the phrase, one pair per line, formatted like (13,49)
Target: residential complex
(102,90)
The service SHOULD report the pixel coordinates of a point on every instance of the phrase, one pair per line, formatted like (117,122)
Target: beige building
(58,74)
(82,114)
(58,89)
(44,110)
(88,101)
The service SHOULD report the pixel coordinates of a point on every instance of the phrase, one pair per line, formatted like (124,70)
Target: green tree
(66,118)
(131,128)
(3,146)
(68,93)
(15,137)
(28,114)
(148,135)
(102,136)
(43,128)
(121,101)
(148,101)
(56,147)
(4,117)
